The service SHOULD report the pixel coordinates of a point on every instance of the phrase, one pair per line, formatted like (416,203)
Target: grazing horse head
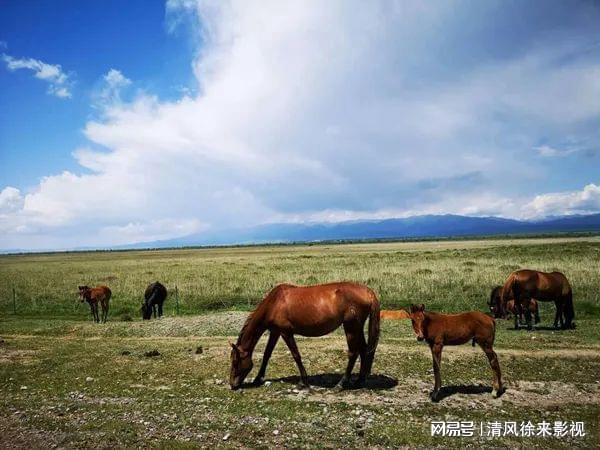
(495,303)
(241,365)
(146,311)
(84,293)
(417,316)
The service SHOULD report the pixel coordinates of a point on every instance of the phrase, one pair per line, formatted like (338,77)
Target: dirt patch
(413,393)
(15,435)
(8,355)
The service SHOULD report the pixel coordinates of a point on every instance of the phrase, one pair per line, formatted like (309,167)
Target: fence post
(176,301)
(14,301)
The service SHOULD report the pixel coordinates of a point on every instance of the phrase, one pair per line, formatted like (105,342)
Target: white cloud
(586,201)
(315,111)
(550,152)
(59,82)
(10,200)
(113,83)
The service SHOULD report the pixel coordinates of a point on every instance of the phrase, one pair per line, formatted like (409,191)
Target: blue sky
(131,121)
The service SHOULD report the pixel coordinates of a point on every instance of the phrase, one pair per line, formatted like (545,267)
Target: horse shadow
(374,382)
(471,389)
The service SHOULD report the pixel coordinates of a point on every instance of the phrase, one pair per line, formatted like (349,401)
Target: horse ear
(421,307)
(413,309)
(233,346)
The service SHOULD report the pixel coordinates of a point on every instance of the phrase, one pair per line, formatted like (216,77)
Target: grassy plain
(446,275)
(66,382)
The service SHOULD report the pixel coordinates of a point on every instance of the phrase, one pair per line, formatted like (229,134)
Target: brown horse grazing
(523,285)
(394,314)
(456,329)
(93,296)
(495,298)
(309,311)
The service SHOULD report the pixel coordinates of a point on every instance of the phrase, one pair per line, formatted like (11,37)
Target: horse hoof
(258,382)
(498,392)
(434,396)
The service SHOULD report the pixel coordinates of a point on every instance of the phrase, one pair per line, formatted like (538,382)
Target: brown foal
(93,296)
(456,329)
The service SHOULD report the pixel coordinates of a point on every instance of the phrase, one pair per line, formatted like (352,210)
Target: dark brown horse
(99,294)
(154,297)
(523,285)
(456,329)
(511,307)
(309,311)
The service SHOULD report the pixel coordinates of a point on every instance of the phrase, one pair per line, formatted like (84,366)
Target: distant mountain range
(427,226)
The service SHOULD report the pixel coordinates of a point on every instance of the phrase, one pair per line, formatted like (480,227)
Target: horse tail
(373,338)
(569,310)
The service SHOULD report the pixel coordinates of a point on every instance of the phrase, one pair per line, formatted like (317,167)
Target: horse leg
(160,310)
(526,306)
(436,352)
(260,377)
(291,343)
(154,310)
(536,313)
(352,333)
(105,307)
(96,316)
(498,389)
(558,317)
(364,363)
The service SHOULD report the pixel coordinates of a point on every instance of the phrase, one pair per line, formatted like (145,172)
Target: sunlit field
(68,382)
(448,275)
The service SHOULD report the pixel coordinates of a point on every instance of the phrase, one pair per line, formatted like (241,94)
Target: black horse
(154,296)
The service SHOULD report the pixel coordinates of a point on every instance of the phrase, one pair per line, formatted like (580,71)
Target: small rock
(152,353)
(88,379)
(275,432)
(23,388)
(226,436)
(218,381)
(199,350)
(267,383)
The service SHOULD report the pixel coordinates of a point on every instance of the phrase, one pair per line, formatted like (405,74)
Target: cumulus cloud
(586,201)
(58,81)
(322,111)
(10,200)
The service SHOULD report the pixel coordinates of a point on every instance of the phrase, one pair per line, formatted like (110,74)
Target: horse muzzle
(420,338)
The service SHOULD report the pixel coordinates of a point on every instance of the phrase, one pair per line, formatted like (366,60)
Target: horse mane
(265,301)
(250,316)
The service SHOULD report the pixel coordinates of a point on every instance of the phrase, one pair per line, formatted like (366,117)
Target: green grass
(449,275)
(181,399)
